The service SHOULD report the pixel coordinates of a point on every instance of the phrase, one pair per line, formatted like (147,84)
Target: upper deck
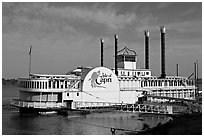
(49,83)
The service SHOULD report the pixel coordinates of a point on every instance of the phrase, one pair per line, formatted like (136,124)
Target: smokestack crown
(146,32)
(116,36)
(162,29)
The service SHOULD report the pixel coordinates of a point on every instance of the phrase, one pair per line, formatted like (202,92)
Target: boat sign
(101,79)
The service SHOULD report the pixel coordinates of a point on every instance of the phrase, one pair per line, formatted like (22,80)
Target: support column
(52,99)
(182,93)
(40,98)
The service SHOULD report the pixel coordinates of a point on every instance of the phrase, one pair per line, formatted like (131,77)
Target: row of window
(166,83)
(134,73)
(126,58)
(59,84)
(152,83)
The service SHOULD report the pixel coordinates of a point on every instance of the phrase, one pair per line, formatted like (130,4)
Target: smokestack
(163,30)
(146,32)
(102,52)
(177,70)
(116,53)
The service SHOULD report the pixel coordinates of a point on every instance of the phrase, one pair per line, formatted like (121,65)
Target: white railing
(35,104)
(86,104)
(47,85)
(141,108)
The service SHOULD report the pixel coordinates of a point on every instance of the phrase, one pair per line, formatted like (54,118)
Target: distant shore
(185,124)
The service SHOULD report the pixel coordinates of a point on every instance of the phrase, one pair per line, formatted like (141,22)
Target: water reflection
(14,124)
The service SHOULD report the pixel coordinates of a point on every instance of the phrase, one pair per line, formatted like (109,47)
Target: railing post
(133,108)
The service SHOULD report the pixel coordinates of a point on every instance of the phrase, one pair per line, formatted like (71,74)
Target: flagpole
(30,61)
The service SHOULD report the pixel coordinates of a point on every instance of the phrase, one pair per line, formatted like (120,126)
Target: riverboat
(101,86)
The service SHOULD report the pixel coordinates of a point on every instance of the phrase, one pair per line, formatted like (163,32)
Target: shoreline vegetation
(188,121)
(9,81)
(183,124)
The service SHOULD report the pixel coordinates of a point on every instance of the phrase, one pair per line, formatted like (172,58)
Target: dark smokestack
(116,53)
(177,70)
(162,30)
(101,52)
(146,32)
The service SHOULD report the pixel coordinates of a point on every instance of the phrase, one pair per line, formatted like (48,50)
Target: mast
(195,77)
(102,52)
(116,54)
(30,61)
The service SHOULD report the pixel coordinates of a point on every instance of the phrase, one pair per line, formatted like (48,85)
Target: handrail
(36,104)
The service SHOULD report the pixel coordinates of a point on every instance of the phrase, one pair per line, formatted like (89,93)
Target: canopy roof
(126,51)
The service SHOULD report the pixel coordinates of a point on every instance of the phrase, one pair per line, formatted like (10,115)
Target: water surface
(91,124)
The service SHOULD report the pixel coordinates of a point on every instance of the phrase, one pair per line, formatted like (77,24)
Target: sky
(66,35)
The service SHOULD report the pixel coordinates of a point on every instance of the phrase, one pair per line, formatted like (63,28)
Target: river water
(90,124)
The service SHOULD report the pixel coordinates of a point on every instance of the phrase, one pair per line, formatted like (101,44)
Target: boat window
(27,84)
(120,58)
(57,84)
(61,85)
(77,93)
(175,83)
(40,84)
(129,58)
(53,84)
(165,83)
(37,85)
(150,83)
(49,84)
(67,94)
(145,83)
(155,83)
(65,84)
(45,85)
(160,83)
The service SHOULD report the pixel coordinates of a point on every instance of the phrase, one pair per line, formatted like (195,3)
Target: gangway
(139,108)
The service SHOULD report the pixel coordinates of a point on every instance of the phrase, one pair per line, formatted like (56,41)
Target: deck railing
(36,104)
(141,108)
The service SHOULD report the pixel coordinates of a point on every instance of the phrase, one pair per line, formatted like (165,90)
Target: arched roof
(126,51)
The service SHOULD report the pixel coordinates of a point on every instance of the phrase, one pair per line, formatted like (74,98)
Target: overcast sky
(66,35)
